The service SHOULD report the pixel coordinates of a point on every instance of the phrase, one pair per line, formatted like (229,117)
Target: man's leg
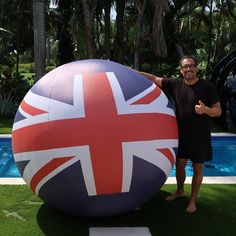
(196,183)
(180,177)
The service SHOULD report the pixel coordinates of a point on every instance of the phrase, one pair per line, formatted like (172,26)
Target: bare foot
(191,207)
(174,196)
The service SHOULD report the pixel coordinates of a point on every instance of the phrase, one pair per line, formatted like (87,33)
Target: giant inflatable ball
(95,138)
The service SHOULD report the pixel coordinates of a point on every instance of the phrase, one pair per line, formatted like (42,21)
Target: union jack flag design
(94,138)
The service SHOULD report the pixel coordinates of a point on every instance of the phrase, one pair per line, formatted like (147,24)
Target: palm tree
(65,44)
(89,8)
(120,31)
(39,38)
(158,34)
(141,6)
(107,28)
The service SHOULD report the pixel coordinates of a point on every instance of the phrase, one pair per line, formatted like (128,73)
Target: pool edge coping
(5,135)
(212,134)
(207,180)
(170,180)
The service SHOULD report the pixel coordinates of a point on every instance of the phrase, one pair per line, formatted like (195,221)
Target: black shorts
(195,153)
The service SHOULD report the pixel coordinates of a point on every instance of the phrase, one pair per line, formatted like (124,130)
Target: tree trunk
(48,51)
(179,50)
(65,45)
(107,29)
(141,5)
(39,38)
(120,45)
(218,30)
(89,7)
(210,40)
(158,34)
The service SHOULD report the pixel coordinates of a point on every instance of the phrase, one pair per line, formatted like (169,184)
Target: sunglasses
(188,66)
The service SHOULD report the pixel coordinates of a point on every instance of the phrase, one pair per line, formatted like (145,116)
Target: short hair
(188,57)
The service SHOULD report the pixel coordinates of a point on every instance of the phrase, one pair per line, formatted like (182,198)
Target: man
(195,101)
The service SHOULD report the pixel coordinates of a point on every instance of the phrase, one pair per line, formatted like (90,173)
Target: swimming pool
(7,164)
(223,163)
(224,158)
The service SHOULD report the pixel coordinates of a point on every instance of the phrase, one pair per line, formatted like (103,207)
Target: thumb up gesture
(200,108)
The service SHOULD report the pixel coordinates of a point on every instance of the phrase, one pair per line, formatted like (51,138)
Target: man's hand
(201,108)
(213,111)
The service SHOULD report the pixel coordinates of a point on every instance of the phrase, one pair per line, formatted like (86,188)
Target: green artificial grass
(23,213)
(6,126)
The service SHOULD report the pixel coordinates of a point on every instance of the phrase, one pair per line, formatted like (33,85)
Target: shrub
(7,107)
(26,68)
(13,85)
(49,68)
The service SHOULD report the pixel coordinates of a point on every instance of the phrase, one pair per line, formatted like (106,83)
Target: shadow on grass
(152,215)
(160,216)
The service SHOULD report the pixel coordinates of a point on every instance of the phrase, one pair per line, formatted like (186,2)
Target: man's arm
(213,111)
(153,78)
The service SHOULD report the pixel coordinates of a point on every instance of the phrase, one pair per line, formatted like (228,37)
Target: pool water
(7,164)
(223,163)
(224,158)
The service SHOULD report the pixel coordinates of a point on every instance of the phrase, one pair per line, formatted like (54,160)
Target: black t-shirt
(194,129)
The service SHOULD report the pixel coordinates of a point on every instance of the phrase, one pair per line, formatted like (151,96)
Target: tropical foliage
(13,87)
(141,33)
(146,35)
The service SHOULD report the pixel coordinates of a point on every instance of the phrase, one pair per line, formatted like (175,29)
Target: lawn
(22,213)
(5,126)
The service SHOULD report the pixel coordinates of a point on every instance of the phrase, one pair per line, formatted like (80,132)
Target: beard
(190,75)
